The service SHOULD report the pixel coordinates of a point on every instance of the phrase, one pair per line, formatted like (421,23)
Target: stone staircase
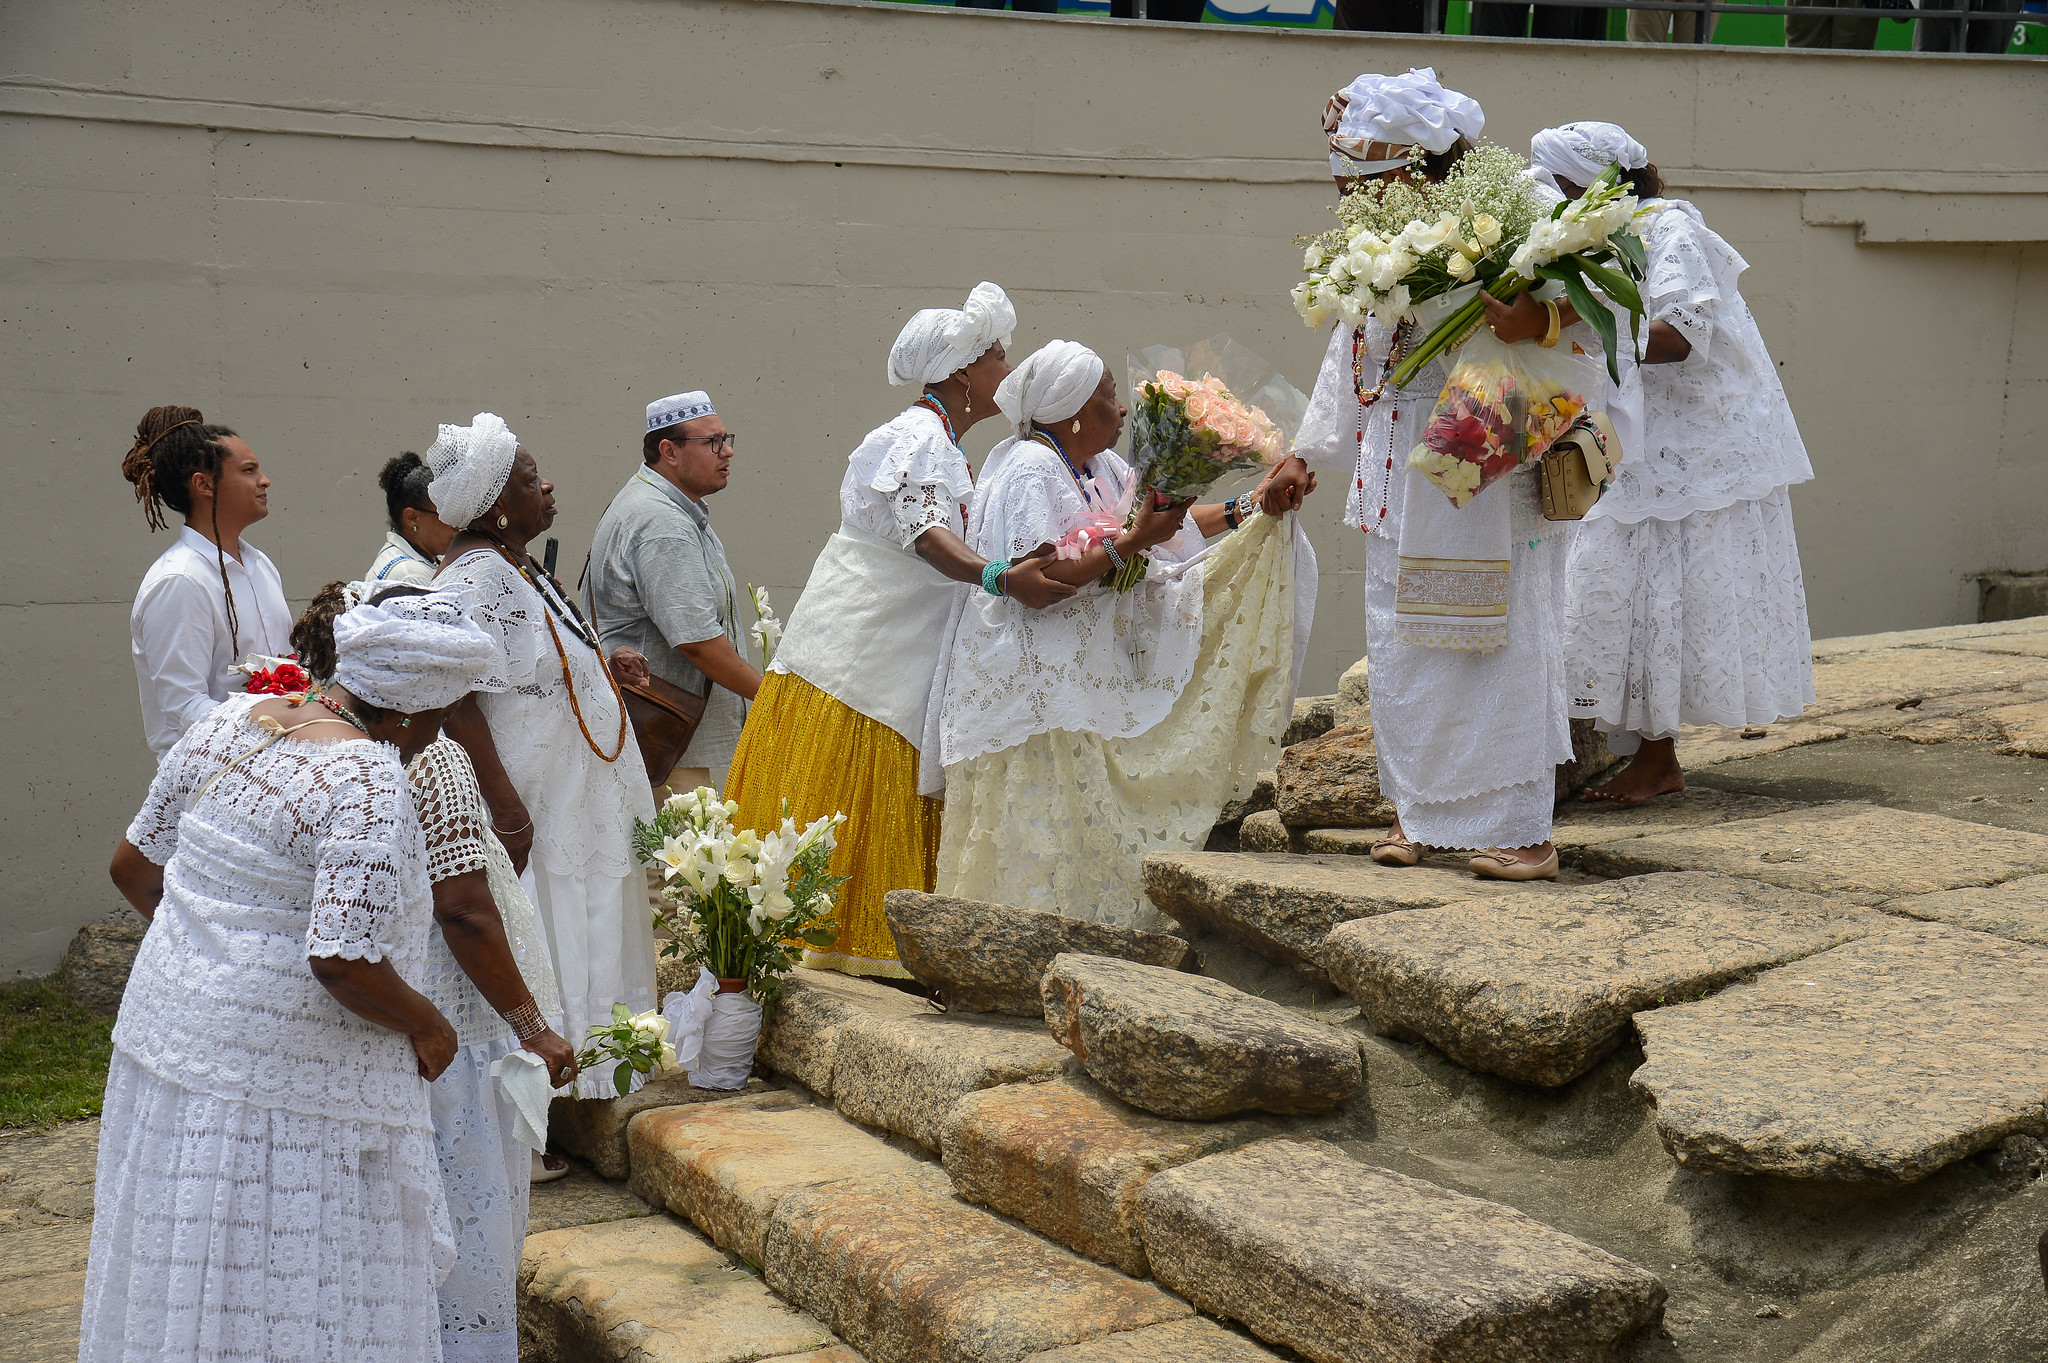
(1756,1079)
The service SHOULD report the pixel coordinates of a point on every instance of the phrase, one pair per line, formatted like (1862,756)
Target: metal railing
(1707,10)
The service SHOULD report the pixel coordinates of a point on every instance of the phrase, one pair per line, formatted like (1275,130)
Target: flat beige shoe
(1393,850)
(1494,864)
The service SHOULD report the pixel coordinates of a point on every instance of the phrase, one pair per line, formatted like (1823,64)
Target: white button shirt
(178,631)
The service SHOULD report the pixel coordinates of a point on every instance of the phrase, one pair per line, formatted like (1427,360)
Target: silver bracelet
(1247,504)
(1116,560)
(525,1020)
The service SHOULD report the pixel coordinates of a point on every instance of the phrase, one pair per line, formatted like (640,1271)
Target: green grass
(53,1055)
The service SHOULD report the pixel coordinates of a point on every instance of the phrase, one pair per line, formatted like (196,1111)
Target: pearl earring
(1077,426)
(967,408)
(504,521)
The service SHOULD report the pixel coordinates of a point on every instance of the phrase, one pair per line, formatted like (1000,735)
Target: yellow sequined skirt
(822,756)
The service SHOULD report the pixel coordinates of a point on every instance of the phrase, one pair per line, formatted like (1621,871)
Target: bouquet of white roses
(737,902)
(638,1041)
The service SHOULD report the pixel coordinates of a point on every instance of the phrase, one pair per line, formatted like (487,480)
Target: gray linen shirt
(658,578)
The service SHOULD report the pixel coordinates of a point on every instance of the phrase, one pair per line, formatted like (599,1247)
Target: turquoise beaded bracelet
(992,576)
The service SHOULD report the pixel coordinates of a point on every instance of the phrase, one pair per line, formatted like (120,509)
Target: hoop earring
(504,521)
(1077,426)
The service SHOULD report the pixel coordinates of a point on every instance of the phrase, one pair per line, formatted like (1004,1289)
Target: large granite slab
(1708,745)
(1887,676)
(594,1129)
(1186,1046)
(802,1039)
(1333,782)
(1585,824)
(1540,990)
(2018,909)
(1068,1159)
(1885,1059)
(905,1074)
(989,958)
(1344,1262)
(1194,1340)
(1861,852)
(2024,728)
(1987,635)
(907,1273)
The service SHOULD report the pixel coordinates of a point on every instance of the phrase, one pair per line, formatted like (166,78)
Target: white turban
(942,341)
(411,653)
(1578,152)
(1054,382)
(1408,110)
(470,465)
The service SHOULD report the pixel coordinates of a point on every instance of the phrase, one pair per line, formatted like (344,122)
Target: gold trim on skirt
(823,756)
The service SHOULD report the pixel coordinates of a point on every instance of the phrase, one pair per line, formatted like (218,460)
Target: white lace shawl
(583,807)
(1717,428)
(457,828)
(1101,662)
(304,849)
(905,478)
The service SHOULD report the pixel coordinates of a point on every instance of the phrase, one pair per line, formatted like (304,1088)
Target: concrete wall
(333,225)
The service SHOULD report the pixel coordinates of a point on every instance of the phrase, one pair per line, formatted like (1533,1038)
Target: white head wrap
(674,411)
(470,465)
(1408,110)
(1578,152)
(1054,382)
(411,653)
(941,341)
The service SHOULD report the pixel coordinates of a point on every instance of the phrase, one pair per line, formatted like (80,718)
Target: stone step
(1708,745)
(725,1167)
(1283,906)
(989,958)
(1541,989)
(1864,853)
(1193,1340)
(1889,676)
(1344,1262)
(907,1273)
(1332,782)
(1185,1046)
(905,1074)
(1884,1059)
(594,1129)
(2017,909)
(651,1290)
(1067,1159)
(801,1039)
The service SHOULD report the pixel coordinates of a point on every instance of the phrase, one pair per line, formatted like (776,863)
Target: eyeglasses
(719,443)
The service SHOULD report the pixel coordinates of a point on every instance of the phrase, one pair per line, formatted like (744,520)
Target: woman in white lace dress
(267,1185)
(1077,738)
(1687,603)
(547,734)
(487,972)
(1468,741)
(840,717)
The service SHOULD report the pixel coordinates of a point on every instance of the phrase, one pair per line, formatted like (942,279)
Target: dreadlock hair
(404,479)
(313,632)
(172,444)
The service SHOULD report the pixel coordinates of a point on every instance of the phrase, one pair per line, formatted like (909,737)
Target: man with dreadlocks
(212,598)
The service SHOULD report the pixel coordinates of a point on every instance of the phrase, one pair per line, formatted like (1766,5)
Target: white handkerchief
(523,1077)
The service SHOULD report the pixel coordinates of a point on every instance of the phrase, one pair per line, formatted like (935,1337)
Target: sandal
(1397,849)
(540,1173)
(1494,864)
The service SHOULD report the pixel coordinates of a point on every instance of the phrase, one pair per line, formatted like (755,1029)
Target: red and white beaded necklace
(1367,398)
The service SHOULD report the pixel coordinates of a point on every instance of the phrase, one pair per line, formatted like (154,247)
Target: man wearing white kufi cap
(841,715)
(1687,604)
(660,584)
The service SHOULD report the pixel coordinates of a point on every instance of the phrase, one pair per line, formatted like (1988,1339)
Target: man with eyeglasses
(659,583)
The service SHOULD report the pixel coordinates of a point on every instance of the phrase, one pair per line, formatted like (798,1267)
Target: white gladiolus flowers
(766,629)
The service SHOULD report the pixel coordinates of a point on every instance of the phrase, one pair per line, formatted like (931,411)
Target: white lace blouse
(1717,428)
(1375,469)
(457,828)
(905,478)
(304,849)
(1101,662)
(583,807)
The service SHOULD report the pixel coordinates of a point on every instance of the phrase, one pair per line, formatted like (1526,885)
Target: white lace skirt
(600,933)
(224,1232)
(1700,620)
(1061,821)
(486,1171)
(1468,743)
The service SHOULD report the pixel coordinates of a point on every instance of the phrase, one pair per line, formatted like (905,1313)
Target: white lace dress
(1688,604)
(484,1167)
(1078,738)
(588,890)
(1468,743)
(267,1185)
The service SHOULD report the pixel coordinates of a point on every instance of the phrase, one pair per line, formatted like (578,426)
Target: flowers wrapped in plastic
(270,676)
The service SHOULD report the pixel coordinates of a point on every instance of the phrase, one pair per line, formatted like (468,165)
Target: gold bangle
(1556,324)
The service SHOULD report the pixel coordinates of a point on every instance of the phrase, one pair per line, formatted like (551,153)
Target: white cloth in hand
(523,1079)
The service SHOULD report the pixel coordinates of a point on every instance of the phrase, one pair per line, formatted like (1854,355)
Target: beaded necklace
(1047,438)
(343,711)
(584,633)
(935,407)
(1367,398)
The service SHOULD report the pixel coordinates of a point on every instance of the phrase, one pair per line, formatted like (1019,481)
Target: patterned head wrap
(1408,110)
(1054,382)
(411,653)
(470,465)
(942,341)
(1578,152)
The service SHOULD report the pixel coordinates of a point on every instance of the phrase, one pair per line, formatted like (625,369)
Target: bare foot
(1653,771)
